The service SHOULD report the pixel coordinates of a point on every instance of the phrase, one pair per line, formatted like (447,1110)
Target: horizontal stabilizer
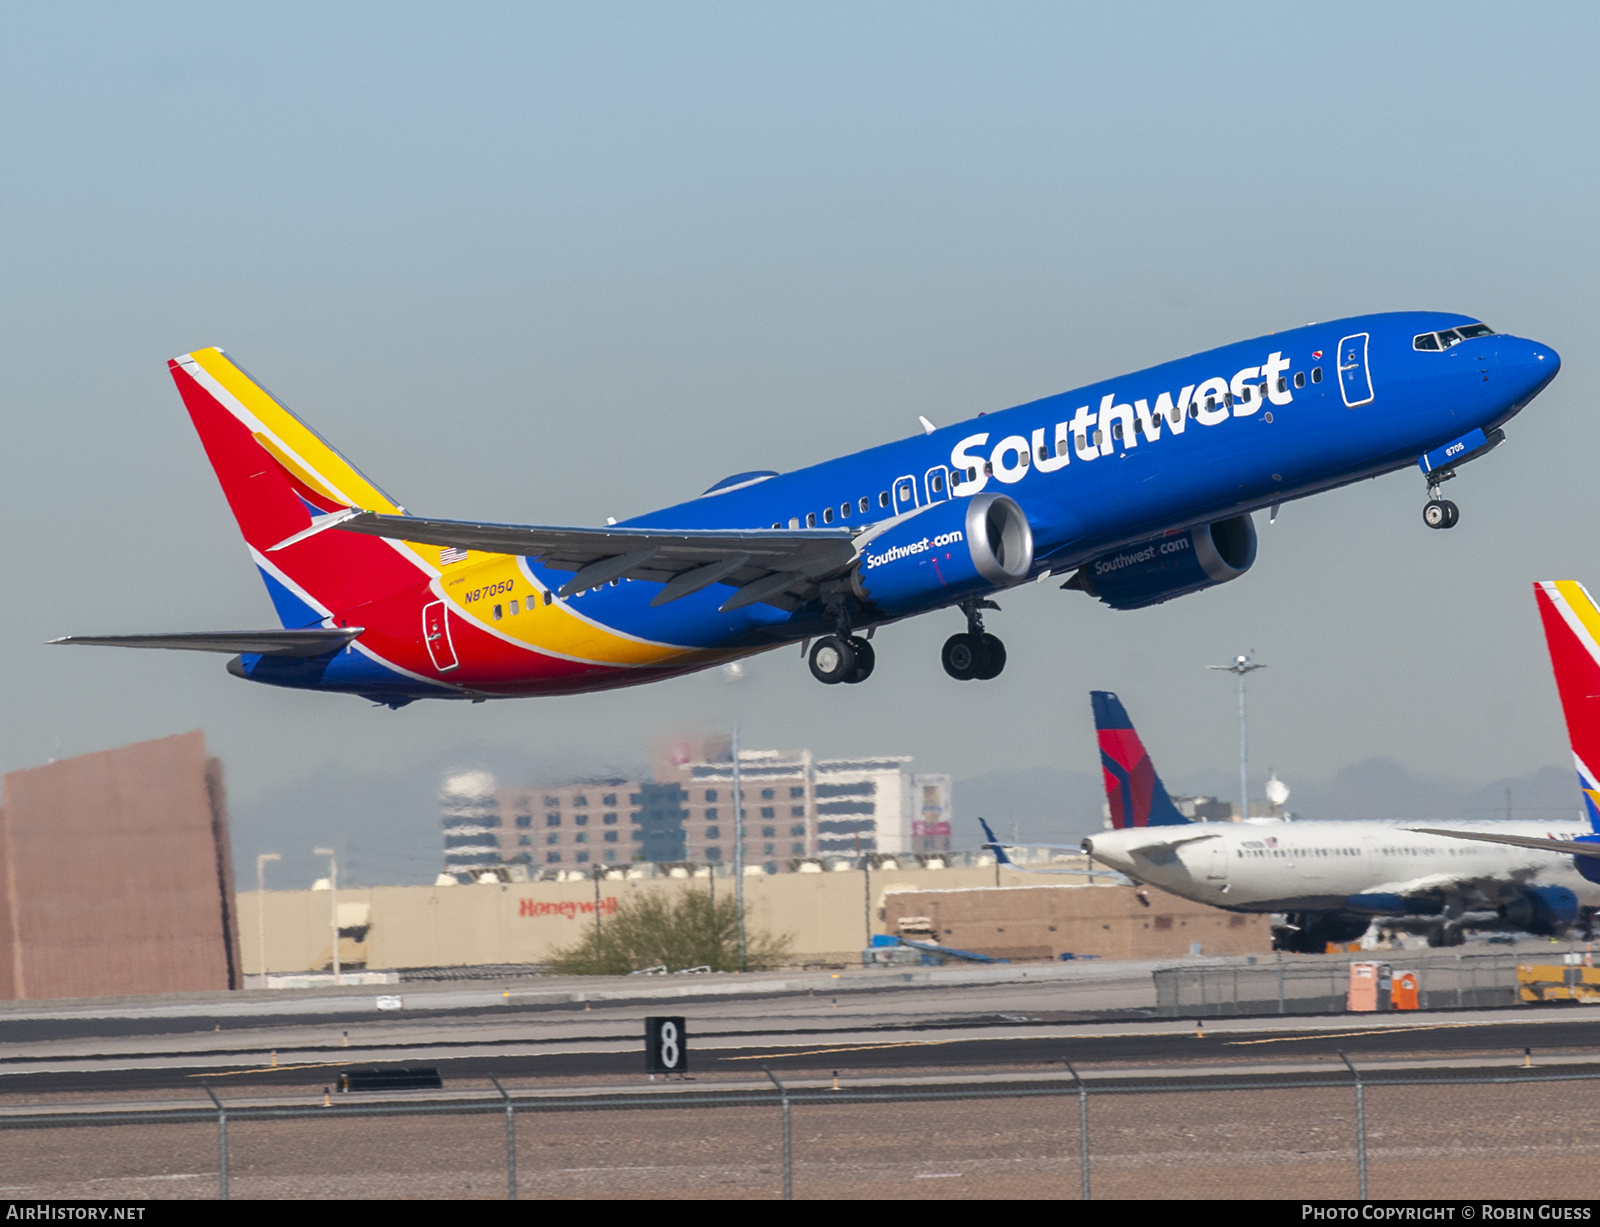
(304,641)
(1568,846)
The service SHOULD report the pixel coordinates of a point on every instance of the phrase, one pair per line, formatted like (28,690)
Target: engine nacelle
(1160,569)
(949,549)
(1547,911)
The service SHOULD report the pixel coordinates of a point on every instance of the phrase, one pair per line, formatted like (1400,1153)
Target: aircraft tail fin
(1572,631)
(277,474)
(1133,788)
(995,845)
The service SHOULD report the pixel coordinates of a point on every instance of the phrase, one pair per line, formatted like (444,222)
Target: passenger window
(1316,374)
(794,522)
(1283,383)
(844,511)
(498,611)
(827,515)
(779,524)
(866,504)
(883,498)
(811,519)
(548,596)
(515,609)
(937,482)
(1299,379)
(1227,400)
(1426,341)
(972,474)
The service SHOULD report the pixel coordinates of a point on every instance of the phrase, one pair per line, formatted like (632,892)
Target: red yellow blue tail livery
(1136,490)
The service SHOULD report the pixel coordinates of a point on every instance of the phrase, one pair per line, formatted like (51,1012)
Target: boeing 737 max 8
(1139,489)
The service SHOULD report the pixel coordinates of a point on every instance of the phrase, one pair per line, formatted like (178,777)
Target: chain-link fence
(1287,986)
(1514,1133)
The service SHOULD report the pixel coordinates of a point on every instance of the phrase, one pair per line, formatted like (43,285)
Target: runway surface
(531,1035)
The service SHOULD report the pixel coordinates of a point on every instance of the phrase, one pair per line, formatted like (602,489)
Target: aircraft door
(936,482)
(436,634)
(1217,865)
(1355,380)
(905,493)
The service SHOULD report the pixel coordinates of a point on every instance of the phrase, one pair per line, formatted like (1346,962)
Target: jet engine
(1547,911)
(1157,570)
(946,550)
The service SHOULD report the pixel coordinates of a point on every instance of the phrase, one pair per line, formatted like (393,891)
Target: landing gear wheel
(964,656)
(833,660)
(865,659)
(1441,513)
(996,652)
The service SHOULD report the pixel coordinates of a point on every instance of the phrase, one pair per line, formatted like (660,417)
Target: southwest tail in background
(1572,630)
(1133,788)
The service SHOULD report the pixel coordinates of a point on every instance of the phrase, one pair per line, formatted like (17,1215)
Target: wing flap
(304,641)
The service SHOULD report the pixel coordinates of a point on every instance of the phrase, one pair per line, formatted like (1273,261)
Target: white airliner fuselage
(1270,866)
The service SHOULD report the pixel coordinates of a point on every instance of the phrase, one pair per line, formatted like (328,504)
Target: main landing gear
(975,654)
(841,658)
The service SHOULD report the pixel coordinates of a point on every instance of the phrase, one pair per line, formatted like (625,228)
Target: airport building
(797,810)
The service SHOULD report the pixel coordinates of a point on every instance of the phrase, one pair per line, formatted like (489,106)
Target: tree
(658,928)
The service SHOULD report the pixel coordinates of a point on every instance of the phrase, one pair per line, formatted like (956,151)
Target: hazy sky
(554,263)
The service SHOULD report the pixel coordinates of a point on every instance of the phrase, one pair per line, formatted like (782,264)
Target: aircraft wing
(781,567)
(304,641)
(1570,847)
(1175,842)
(1000,856)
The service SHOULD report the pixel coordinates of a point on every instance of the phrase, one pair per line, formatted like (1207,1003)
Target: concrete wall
(116,876)
(432,926)
(1044,921)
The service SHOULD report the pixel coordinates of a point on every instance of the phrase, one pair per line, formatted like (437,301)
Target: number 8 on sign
(666,1046)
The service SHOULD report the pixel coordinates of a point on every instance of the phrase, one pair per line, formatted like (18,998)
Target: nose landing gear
(1440,512)
(975,655)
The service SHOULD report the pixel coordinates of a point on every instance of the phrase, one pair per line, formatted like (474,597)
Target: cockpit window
(1450,336)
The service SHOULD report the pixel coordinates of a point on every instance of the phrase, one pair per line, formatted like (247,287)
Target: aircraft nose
(1527,365)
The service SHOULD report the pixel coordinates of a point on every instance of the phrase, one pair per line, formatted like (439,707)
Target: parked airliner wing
(776,566)
(1571,847)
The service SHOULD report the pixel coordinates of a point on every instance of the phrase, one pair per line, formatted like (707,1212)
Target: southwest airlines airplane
(1334,878)
(1140,489)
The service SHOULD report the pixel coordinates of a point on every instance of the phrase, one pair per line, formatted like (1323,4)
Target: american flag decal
(452,554)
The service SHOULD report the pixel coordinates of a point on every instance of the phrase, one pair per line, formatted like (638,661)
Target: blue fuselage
(1120,462)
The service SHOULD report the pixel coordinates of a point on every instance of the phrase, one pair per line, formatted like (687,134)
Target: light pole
(738,849)
(1240,666)
(261,906)
(333,884)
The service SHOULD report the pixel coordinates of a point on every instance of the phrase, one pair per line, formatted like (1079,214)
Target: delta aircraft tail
(1572,630)
(1133,788)
(277,474)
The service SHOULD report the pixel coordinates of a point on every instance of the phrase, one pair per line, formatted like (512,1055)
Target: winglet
(999,852)
(1572,631)
(1133,789)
